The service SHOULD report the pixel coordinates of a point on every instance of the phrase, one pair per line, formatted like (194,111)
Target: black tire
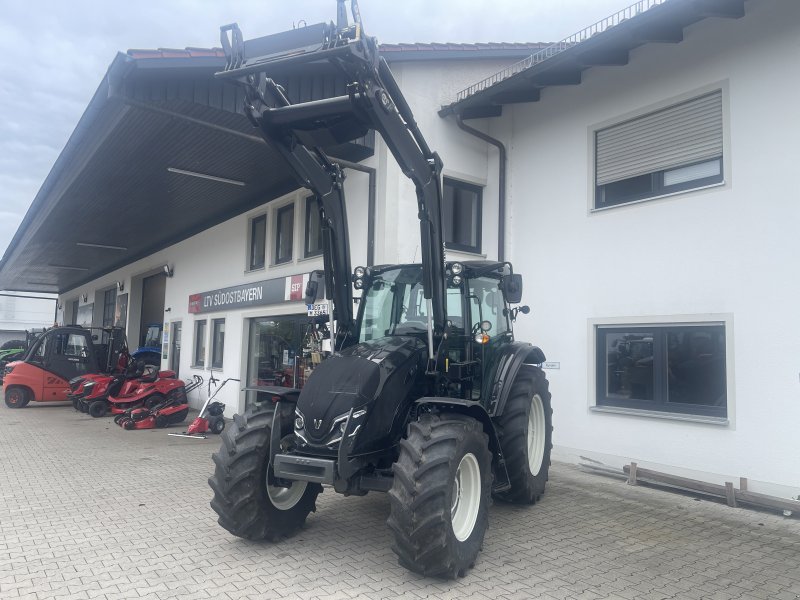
(75,403)
(154,400)
(128,424)
(241,499)
(529,394)
(98,408)
(162,421)
(217,425)
(421,497)
(17,396)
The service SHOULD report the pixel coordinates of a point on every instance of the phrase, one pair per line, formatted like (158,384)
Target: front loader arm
(299,131)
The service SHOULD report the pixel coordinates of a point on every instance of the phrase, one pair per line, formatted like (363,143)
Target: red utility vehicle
(59,356)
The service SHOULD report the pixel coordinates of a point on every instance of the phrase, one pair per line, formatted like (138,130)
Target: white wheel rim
(466,497)
(285,498)
(536,435)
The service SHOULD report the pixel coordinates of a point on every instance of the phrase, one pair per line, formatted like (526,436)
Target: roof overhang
(162,152)
(607,43)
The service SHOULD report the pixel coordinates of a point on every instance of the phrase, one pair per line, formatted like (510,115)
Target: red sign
(195,303)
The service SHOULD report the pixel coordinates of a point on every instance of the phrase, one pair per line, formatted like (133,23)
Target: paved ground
(88,510)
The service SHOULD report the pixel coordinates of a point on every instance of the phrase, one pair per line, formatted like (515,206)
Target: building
(642,189)
(21,313)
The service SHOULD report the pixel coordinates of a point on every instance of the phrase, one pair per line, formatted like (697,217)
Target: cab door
(486,306)
(69,354)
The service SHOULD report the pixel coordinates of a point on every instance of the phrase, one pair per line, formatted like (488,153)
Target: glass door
(175,361)
(275,355)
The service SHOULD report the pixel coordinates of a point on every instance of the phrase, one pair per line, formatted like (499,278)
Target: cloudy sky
(54,54)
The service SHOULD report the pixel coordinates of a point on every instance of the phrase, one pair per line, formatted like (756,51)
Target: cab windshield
(153,336)
(395,305)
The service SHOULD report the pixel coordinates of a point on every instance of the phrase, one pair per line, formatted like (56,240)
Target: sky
(54,54)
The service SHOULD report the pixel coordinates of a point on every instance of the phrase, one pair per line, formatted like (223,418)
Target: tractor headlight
(299,422)
(359,272)
(456,268)
(358,284)
(457,280)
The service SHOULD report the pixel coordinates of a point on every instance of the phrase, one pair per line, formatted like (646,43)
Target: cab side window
(487,304)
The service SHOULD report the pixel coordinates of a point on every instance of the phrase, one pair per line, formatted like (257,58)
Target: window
(199,344)
(669,368)
(258,242)
(217,343)
(671,150)
(461,212)
(313,228)
(487,304)
(284,234)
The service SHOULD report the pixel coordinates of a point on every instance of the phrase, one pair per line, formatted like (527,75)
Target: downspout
(501,195)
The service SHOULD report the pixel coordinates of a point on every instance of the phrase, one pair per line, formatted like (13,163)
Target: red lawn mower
(144,386)
(162,410)
(210,418)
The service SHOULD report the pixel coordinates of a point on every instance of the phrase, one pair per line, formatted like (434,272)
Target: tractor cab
(479,316)
(58,355)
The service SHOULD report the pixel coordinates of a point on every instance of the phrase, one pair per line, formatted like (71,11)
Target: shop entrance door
(175,363)
(275,354)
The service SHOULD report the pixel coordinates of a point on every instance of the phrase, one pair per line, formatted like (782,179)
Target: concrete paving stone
(590,537)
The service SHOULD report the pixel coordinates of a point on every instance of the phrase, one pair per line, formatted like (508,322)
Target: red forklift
(61,355)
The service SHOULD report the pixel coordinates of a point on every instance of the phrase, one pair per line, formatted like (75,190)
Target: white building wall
(725,252)
(217,258)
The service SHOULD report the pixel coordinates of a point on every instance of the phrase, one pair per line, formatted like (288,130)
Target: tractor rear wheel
(249,503)
(17,396)
(526,431)
(439,501)
(98,408)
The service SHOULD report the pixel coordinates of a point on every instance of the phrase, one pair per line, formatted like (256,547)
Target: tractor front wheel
(17,396)
(249,503)
(440,495)
(526,430)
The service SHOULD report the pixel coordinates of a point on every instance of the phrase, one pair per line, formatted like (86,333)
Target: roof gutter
(501,195)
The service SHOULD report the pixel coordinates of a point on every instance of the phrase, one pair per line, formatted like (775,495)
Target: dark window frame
(253,263)
(312,204)
(199,361)
(478,190)
(214,363)
(660,402)
(657,188)
(279,212)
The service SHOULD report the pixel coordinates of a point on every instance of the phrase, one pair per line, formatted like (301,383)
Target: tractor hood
(356,378)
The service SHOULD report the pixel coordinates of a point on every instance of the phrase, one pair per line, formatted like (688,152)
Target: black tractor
(427,396)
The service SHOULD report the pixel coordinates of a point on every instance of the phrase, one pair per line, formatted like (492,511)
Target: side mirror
(312,287)
(311,292)
(512,288)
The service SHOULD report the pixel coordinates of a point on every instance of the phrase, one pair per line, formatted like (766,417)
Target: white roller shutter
(686,133)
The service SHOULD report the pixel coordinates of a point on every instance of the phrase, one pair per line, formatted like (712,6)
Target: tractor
(427,395)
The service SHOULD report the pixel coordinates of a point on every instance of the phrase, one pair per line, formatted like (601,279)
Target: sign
(316,310)
(551,365)
(259,293)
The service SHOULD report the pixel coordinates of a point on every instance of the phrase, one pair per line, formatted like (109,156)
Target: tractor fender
(476,411)
(509,362)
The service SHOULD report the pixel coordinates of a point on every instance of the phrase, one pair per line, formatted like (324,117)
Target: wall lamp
(85,298)
(120,286)
(168,271)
